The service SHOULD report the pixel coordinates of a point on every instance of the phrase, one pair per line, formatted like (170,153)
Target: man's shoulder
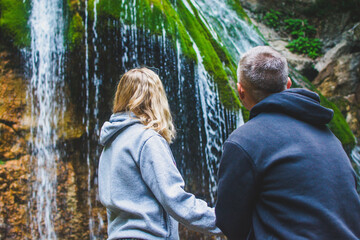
(244,134)
(252,127)
(264,128)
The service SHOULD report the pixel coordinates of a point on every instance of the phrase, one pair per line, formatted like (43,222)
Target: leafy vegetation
(305,45)
(299,28)
(273,19)
(301,33)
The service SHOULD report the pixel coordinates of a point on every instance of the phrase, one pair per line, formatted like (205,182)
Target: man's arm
(236,192)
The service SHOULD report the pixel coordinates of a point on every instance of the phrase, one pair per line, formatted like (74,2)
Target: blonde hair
(141,92)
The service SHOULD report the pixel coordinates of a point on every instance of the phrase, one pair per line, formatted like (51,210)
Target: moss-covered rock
(76,31)
(215,57)
(178,23)
(14,16)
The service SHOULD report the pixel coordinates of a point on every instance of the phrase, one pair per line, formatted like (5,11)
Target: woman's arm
(159,171)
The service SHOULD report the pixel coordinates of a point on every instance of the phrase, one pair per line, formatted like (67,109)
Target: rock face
(337,73)
(12,107)
(14,178)
(339,81)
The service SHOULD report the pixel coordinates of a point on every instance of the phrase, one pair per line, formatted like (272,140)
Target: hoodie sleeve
(159,171)
(236,192)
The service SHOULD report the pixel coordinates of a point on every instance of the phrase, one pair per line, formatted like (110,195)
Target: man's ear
(240,90)
(289,83)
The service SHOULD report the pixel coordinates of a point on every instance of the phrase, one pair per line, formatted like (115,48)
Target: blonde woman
(139,183)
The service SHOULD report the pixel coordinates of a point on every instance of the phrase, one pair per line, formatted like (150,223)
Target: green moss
(159,17)
(239,9)
(109,8)
(245,113)
(215,57)
(339,126)
(154,15)
(76,31)
(74,5)
(14,16)
(165,15)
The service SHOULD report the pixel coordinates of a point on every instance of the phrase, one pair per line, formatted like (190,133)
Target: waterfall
(47,51)
(92,114)
(87,119)
(231,29)
(213,115)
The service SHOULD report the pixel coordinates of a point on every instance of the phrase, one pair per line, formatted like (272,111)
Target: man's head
(262,71)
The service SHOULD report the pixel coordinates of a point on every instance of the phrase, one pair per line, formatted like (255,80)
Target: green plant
(299,28)
(305,45)
(301,32)
(273,19)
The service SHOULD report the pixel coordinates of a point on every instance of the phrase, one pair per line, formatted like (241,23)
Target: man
(283,174)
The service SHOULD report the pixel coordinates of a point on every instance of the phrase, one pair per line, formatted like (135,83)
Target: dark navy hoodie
(284,175)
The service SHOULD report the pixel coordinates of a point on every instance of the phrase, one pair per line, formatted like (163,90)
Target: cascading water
(212,114)
(47,51)
(87,119)
(93,80)
(111,46)
(237,35)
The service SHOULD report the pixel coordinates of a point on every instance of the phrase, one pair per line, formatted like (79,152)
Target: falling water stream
(47,51)
(230,28)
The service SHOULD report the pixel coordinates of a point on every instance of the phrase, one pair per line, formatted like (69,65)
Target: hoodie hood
(117,122)
(296,102)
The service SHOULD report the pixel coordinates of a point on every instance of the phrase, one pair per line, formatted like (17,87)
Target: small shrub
(301,32)
(299,28)
(305,45)
(273,19)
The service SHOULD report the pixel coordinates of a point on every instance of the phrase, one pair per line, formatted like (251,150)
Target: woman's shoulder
(150,136)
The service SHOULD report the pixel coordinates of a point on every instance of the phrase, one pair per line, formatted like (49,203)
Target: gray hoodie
(141,187)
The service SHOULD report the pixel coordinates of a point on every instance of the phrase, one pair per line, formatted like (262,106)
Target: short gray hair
(263,71)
